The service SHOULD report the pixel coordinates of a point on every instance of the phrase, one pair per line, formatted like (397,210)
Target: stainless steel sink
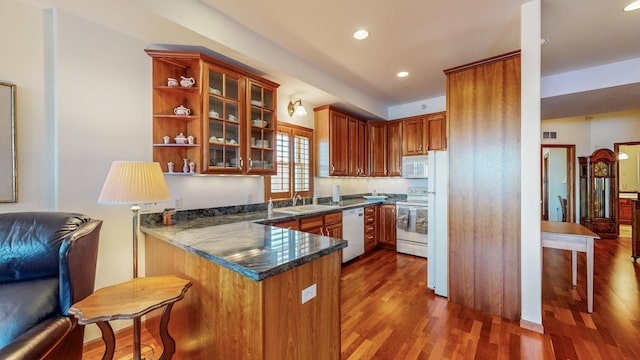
(304,209)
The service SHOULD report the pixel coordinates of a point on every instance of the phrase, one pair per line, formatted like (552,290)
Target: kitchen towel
(422,225)
(402,218)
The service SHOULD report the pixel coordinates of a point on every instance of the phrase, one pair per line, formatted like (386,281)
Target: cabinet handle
(241,163)
(333,168)
(250,162)
(420,148)
(385,171)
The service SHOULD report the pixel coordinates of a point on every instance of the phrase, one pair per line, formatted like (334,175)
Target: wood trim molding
(482,62)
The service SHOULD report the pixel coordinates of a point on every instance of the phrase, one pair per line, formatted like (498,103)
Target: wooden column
(483,111)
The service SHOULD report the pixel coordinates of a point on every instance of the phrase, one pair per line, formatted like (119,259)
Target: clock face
(601,169)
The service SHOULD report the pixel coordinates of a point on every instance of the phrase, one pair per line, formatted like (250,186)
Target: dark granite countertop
(245,243)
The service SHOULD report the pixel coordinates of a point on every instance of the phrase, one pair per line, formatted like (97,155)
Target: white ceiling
(425,37)
(307,45)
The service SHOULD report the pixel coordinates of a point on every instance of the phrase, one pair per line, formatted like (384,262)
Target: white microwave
(415,167)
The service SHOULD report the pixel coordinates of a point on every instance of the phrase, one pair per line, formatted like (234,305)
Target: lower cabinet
(287,224)
(327,224)
(625,208)
(387,226)
(370,227)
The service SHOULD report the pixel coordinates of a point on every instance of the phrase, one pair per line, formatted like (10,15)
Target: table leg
(574,267)
(590,275)
(108,338)
(168,344)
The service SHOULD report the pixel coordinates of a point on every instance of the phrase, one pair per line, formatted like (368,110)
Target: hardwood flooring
(388,313)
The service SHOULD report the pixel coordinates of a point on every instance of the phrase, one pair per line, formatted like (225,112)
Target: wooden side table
(131,300)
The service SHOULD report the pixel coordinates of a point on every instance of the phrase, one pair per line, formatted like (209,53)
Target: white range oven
(411,223)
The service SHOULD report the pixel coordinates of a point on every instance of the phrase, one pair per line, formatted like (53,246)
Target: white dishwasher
(353,232)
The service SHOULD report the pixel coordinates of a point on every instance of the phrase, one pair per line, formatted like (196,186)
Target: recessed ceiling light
(361,34)
(402,74)
(633,6)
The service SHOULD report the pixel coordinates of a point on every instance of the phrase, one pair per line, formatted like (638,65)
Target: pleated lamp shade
(134,182)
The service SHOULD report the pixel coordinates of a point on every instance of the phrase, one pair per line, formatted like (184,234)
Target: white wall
(22,65)
(593,132)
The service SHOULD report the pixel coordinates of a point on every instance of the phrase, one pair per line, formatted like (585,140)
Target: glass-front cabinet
(226,115)
(599,193)
(223,129)
(262,127)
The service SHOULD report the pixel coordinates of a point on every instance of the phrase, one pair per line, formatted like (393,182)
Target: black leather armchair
(47,263)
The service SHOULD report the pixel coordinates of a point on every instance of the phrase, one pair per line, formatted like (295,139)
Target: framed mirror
(8,176)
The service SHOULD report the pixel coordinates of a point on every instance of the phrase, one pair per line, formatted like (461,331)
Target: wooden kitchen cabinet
(341,143)
(423,133)
(327,224)
(231,115)
(378,148)
(387,227)
(287,224)
(394,151)
(370,227)
(363,149)
(625,211)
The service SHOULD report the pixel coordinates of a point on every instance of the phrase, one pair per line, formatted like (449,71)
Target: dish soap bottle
(270,206)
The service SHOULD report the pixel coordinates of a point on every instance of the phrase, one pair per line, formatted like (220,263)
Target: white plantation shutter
(302,164)
(294,164)
(281,182)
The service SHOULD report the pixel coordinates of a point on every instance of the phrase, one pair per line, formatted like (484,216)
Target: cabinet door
(338,144)
(394,160)
(261,120)
(223,128)
(388,223)
(413,136)
(378,148)
(334,231)
(435,132)
(287,224)
(363,154)
(353,148)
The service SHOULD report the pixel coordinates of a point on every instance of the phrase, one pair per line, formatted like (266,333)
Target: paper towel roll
(336,193)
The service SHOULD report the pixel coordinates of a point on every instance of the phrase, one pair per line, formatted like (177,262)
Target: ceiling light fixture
(402,74)
(633,6)
(361,34)
(296,108)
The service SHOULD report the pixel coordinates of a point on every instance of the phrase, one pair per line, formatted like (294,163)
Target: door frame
(616,149)
(571,175)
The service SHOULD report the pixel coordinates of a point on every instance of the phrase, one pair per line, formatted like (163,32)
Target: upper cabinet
(225,114)
(423,133)
(378,148)
(340,143)
(394,152)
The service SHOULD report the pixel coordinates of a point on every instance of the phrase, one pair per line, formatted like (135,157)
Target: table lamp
(134,182)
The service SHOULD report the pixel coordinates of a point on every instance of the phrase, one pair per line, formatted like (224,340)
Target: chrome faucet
(295,199)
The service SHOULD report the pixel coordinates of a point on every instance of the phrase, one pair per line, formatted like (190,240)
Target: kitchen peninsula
(247,295)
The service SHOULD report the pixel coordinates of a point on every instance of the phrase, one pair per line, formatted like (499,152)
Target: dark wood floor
(388,313)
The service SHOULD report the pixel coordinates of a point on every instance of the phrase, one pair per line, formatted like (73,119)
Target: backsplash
(184,215)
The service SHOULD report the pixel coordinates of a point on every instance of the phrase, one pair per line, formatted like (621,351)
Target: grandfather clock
(599,193)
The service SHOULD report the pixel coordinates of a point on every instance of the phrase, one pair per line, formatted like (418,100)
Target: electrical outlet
(308,293)
(249,198)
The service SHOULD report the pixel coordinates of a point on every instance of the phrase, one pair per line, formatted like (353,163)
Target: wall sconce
(622,155)
(296,108)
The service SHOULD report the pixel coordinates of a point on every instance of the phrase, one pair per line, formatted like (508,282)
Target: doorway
(558,182)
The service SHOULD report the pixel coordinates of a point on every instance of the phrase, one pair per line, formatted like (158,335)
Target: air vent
(549,135)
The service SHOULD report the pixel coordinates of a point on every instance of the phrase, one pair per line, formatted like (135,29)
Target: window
(294,157)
